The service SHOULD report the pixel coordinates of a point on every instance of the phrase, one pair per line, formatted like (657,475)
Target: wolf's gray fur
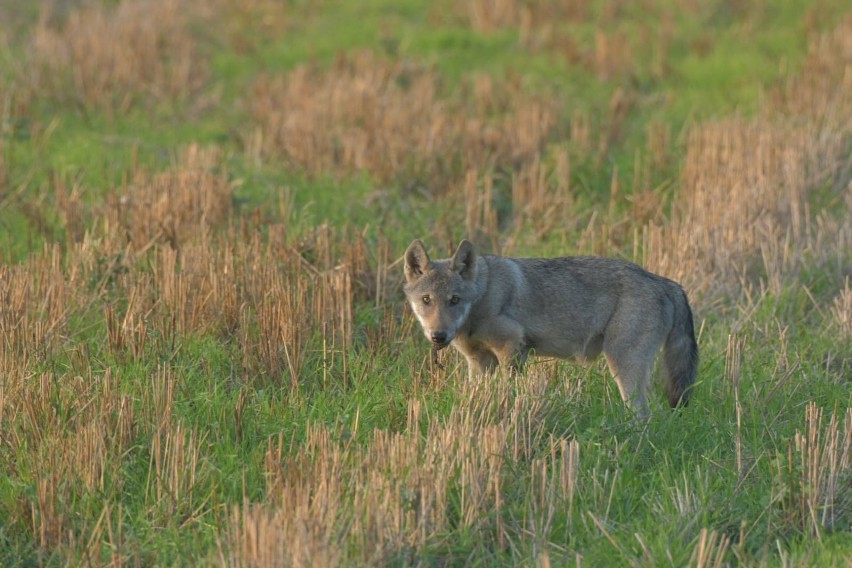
(496,310)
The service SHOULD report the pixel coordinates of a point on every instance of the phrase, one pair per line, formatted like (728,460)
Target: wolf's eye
(454,300)
(427,300)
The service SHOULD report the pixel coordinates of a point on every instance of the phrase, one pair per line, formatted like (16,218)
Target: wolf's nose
(439,337)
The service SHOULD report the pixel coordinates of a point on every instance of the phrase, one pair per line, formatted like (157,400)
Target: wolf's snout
(439,337)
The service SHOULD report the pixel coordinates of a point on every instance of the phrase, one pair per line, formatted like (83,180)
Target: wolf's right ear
(416,261)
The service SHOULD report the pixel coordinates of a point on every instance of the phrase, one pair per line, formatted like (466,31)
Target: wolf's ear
(416,261)
(464,261)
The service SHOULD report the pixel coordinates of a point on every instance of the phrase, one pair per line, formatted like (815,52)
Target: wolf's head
(441,292)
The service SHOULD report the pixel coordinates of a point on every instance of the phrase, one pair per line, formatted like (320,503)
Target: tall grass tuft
(112,58)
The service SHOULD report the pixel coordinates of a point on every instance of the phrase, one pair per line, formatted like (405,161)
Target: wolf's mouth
(435,349)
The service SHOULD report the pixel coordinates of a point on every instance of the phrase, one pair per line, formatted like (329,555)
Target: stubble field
(205,357)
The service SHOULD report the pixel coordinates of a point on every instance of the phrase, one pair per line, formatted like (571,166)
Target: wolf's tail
(680,354)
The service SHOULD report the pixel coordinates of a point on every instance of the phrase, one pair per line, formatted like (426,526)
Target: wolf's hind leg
(632,378)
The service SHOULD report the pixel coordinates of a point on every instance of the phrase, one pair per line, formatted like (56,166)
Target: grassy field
(205,357)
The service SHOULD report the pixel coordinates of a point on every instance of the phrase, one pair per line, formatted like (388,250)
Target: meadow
(205,356)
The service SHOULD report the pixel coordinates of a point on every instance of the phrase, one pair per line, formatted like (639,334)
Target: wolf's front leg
(514,358)
(481,362)
(505,338)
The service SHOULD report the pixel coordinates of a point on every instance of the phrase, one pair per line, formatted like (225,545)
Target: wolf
(498,310)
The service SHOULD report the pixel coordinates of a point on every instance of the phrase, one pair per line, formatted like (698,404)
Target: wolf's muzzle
(439,337)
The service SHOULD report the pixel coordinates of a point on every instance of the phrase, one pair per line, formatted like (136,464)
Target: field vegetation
(205,357)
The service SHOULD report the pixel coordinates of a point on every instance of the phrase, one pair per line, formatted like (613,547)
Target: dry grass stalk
(50,523)
(544,25)
(265,537)
(91,455)
(270,293)
(100,433)
(819,468)
(159,400)
(69,202)
(480,215)
(131,333)
(284,326)
(110,59)
(36,301)
(734,361)
(197,290)
(535,15)
(565,460)
(613,55)
(178,313)
(842,310)
(389,119)
(37,438)
(6,106)
(710,550)
(70,433)
(658,141)
(584,140)
(384,273)
(95,261)
(246,23)
(391,497)
(743,220)
(187,200)
(543,504)
(530,199)
(308,492)
(733,368)
(541,197)
(294,292)
(488,16)
(820,91)
(173,473)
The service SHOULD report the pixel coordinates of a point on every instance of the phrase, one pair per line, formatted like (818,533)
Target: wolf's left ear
(464,261)
(416,261)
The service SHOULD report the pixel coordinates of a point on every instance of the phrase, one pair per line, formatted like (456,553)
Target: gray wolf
(497,310)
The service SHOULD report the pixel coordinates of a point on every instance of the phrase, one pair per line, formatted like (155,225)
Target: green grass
(644,491)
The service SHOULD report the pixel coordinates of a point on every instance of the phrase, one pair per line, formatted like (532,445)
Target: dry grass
(393,498)
(36,301)
(112,58)
(819,92)
(173,475)
(546,25)
(166,261)
(7,114)
(247,23)
(391,119)
(272,296)
(152,270)
(743,223)
(710,551)
(40,296)
(541,201)
(70,434)
(486,16)
(842,310)
(188,199)
(819,469)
